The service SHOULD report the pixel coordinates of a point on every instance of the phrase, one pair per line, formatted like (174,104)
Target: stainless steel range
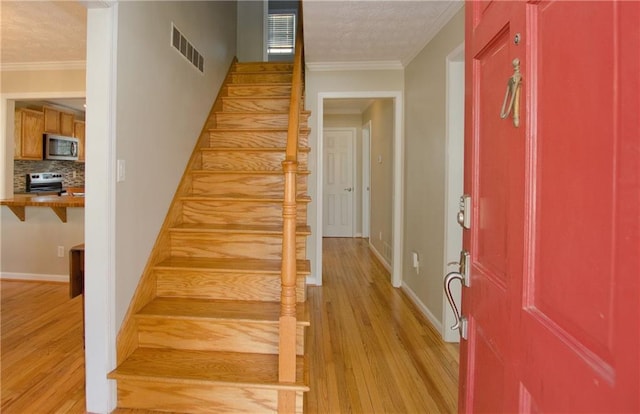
(45,182)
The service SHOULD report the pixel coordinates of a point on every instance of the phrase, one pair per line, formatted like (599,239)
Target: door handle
(348,189)
(511,101)
(461,321)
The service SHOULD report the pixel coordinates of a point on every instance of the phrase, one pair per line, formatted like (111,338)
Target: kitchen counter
(58,204)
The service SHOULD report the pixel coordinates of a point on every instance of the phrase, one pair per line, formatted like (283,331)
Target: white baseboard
(34,277)
(380,257)
(422,307)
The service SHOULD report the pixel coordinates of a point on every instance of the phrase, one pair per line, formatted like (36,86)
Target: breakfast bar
(58,204)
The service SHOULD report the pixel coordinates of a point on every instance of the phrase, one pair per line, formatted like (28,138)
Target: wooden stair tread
(252,149)
(299,199)
(231,130)
(231,310)
(251,85)
(245,172)
(207,367)
(237,228)
(234,265)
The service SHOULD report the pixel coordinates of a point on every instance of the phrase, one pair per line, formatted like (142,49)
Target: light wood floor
(42,356)
(370,350)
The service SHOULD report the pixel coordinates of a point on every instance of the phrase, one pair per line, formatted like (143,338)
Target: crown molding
(364,65)
(31,66)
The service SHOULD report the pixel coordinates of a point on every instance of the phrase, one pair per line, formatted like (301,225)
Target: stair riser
(251,139)
(213,335)
(248,160)
(256,121)
(246,78)
(263,67)
(204,284)
(237,212)
(255,105)
(283,91)
(224,184)
(230,245)
(199,398)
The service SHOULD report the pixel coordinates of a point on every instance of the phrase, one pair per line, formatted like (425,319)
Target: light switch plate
(121,174)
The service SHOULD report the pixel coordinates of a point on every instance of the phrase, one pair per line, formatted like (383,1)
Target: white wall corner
(100,335)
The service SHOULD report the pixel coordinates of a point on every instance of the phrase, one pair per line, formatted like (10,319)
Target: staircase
(202,334)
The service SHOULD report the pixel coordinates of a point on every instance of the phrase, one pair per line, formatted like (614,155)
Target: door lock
(464,214)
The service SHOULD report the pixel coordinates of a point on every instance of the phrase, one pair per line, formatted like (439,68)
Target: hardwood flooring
(370,349)
(41,348)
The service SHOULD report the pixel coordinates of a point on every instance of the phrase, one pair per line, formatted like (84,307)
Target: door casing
(398,181)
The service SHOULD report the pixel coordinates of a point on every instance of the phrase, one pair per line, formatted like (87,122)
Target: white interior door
(338,188)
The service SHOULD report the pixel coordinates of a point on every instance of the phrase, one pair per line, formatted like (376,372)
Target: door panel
(572,352)
(553,305)
(338,183)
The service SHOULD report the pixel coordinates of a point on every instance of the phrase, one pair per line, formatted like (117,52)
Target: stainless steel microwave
(57,147)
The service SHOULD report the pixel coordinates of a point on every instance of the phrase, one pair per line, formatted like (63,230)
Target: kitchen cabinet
(29,127)
(78,132)
(58,122)
(51,120)
(66,124)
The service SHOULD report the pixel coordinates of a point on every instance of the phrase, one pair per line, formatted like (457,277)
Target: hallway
(371,350)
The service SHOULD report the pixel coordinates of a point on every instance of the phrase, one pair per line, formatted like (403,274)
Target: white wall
(145,105)
(425,129)
(381,113)
(162,103)
(251,30)
(30,247)
(338,83)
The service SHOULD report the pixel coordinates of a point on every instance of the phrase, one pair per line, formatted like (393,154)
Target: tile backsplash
(66,168)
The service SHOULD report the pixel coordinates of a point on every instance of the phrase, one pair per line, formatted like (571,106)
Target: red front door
(553,308)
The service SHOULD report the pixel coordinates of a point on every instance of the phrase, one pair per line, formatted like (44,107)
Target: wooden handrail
(287,345)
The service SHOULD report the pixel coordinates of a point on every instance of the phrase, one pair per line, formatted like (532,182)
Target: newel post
(287,362)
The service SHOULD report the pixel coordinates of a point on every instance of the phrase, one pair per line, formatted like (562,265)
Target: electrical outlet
(60,251)
(415,261)
(74,174)
(380,236)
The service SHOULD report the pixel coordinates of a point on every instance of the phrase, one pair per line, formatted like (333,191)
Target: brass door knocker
(511,103)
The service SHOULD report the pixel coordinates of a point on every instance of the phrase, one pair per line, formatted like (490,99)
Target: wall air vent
(186,49)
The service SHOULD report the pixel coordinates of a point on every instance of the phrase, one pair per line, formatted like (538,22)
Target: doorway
(396,159)
(454,168)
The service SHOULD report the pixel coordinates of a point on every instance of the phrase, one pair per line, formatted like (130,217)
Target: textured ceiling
(371,31)
(42,31)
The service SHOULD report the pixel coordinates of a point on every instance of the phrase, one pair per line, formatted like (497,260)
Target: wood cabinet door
(51,120)
(78,132)
(554,303)
(31,127)
(66,124)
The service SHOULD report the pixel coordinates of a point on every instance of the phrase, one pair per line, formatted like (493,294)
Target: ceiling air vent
(186,49)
